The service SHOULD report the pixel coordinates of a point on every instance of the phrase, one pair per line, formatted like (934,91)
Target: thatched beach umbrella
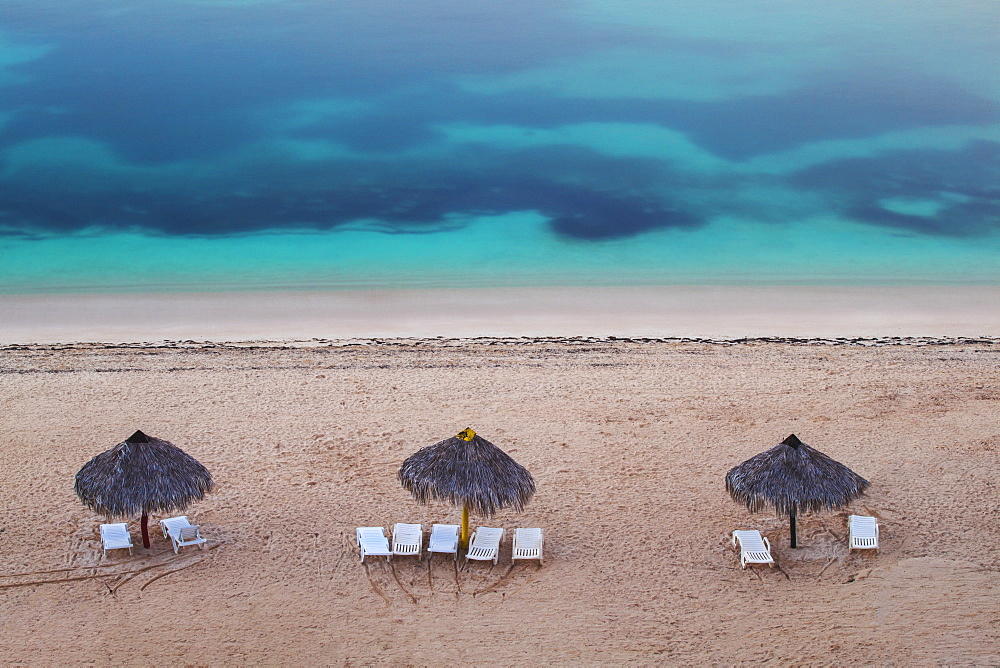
(142,475)
(468,471)
(792,478)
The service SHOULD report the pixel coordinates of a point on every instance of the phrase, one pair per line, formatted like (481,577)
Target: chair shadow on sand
(437,576)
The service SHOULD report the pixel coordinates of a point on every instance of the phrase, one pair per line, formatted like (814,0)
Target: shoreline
(668,312)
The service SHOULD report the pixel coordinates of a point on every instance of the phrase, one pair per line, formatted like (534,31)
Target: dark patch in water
(611,218)
(876,215)
(157,85)
(386,133)
(833,107)
(966,219)
(844,105)
(160,85)
(583,194)
(974,168)
(966,182)
(164,82)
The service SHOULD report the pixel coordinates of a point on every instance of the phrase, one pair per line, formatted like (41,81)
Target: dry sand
(628,441)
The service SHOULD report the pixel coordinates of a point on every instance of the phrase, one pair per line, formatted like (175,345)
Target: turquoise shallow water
(222,145)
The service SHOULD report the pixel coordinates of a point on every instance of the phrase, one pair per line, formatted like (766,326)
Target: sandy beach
(723,311)
(629,442)
(631,244)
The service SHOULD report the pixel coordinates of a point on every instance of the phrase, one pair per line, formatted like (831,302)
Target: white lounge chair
(173,523)
(485,545)
(754,549)
(407,539)
(444,538)
(373,543)
(116,537)
(863,532)
(189,535)
(527,544)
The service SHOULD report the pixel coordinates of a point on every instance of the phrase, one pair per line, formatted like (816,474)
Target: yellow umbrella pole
(463,539)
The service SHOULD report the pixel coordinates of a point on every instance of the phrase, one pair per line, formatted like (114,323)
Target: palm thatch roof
(141,476)
(469,472)
(793,477)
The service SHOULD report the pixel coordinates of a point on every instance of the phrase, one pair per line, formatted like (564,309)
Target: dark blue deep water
(214,145)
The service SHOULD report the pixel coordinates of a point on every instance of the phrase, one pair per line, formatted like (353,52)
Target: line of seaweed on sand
(441,341)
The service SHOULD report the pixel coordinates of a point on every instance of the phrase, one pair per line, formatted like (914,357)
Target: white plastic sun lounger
(754,549)
(863,532)
(444,539)
(373,543)
(173,523)
(527,544)
(485,545)
(115,537)
(407,539)
(189,535)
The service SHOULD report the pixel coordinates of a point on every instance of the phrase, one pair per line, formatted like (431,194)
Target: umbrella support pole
(791,518)
(145,531)
(463,539)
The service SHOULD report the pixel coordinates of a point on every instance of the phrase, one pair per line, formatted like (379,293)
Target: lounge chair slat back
(444,538)
(166,525)
(863,531)
(186,535)
(485,544)
(407,539)
(527,544)
(115,537)
(754,548)
(372,542)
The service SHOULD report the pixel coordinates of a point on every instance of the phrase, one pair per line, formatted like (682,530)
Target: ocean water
(280,144)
